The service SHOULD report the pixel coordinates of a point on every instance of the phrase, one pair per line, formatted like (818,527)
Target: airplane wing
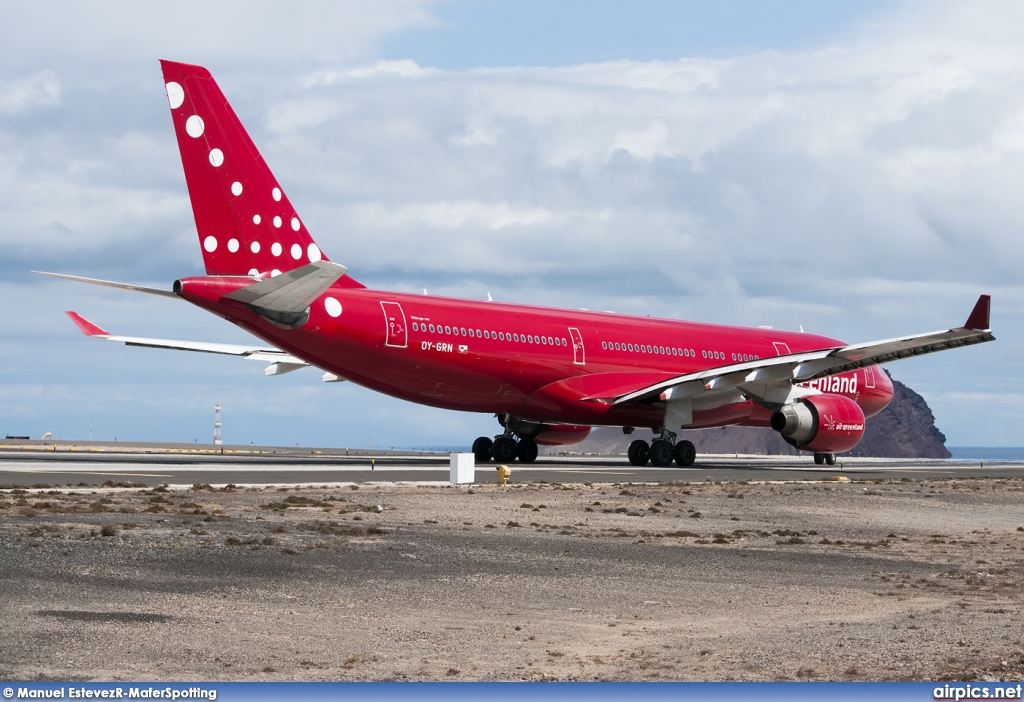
(770,379)
(280,361)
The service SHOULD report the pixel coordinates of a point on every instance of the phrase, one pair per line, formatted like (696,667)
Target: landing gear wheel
(482,449)
(526,450)
(830,459)
(685,453)
(661,453)
(819,459)
(639,452)
(503,450)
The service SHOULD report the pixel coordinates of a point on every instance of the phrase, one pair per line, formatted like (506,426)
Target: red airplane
(549,375)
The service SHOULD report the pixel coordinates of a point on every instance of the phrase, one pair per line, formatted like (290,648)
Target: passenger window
(431,327)
(604,345)
(447,330)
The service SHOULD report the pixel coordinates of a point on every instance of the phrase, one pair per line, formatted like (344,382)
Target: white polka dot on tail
(175,95)
(216,157)
(210,244)
(254,247)
(313,251)
(276,249)
(277,222)
(254,273)
(256,219)
(276,192)
(296,251)
(295,224)
(236,189)
(232,245)
(332,306)
(274,273)
(194,126)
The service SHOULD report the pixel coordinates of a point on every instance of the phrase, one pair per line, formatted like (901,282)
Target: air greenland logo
(463,348)
(832,425)
(845,384)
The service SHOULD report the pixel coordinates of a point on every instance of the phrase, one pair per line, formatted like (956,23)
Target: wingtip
(979,318)
(84,325)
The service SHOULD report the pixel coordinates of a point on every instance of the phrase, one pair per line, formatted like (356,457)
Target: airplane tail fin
(246,224)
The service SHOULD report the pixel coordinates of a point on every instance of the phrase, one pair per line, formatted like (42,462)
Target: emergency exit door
(395,331)
(577,347)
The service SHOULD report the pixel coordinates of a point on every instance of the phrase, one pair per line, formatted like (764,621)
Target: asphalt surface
(58,467)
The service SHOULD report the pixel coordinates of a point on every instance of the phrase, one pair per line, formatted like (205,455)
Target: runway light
(504,472)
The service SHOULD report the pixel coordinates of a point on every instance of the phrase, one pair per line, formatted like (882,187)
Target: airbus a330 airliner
(549,375)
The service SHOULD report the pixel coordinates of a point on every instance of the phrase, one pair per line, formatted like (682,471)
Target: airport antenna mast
(216,426)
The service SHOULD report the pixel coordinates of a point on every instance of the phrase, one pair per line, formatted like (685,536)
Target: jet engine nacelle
(821,423)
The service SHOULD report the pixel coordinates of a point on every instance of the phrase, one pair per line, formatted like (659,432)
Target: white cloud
(40,89)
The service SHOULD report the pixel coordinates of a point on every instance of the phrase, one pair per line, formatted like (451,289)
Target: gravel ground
(688,581)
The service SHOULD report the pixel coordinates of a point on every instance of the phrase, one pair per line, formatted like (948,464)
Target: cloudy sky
(856,168)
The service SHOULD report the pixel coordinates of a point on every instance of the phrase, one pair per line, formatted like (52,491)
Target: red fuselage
(542,364)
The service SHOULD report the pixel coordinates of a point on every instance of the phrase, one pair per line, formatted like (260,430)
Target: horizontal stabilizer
(285,298)
(111,284)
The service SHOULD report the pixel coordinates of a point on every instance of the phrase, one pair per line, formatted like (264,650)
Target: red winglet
(87,327)
(979,318)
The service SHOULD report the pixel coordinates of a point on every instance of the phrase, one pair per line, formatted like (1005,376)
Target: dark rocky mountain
(904,429)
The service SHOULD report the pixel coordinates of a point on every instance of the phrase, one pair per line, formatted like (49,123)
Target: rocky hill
(904,429)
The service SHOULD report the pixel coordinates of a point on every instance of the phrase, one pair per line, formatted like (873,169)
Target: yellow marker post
(504,472)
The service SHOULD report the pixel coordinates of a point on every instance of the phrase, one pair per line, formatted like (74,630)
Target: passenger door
(394,325)
(578,356)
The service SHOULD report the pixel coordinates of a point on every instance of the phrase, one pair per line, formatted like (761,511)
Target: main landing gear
(661,453)
(504,449)
(824,458)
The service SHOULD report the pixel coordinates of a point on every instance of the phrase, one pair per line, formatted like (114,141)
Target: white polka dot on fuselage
(276,249)
(332,306)
(313,252)
(236,189)
(194,126)
(232,245)
(276,192)
(254,247)
(296,251)
(175,95)
(210,244)
(216,158)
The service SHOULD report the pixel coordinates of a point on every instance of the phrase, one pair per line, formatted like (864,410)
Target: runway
(27,468)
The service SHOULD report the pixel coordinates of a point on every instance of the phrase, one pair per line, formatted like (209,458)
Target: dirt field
(694,581)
